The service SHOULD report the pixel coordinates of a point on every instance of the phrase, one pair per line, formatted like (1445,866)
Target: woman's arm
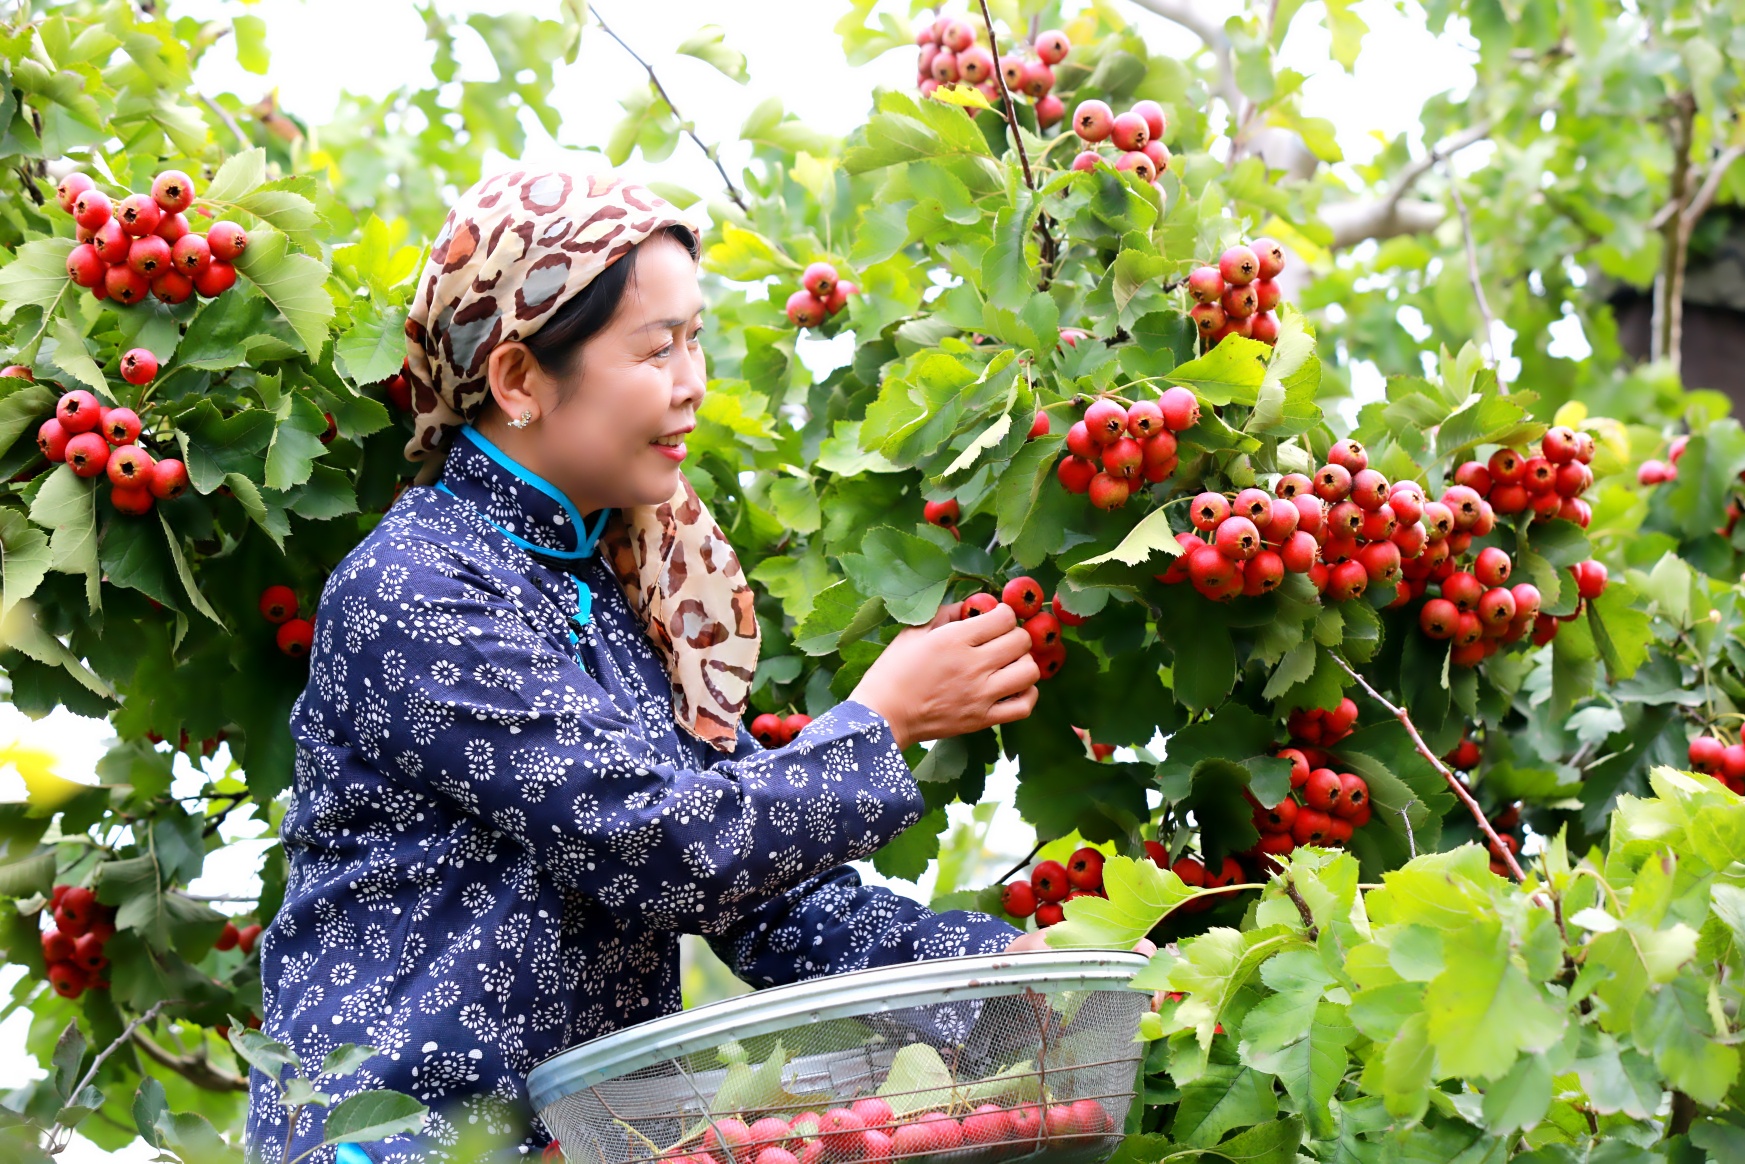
(831,923)
(441,683)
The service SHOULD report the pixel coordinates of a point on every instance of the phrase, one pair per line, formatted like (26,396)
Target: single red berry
(1038,426)
(819,278)
(1271,255)
(190,255)
(1129,132)
(1209,319)
(129,465)
(1050,881)
(52,438)
(1439,618)
(73,185)
(1181,408)
(793,725)
(169,479)
(1704,752)
(67,979)
(246,937)
(92,208)
(173,287)
(56,946)
(1043,629)
(111,243)
(227,240)
(1084,869)
(1239,302)
(85,267)
(1076,474)
(1239,265)
(1086,161)
(1052,46)
(1590,578)
(296,637)
(1019,899)
(172,228)
(1558,444)
(1105,421)
(1237,538)
(977,604)
(173,191)
(139,366)
(1024,595)
(87,453)
(1093,120)
(942,513)
(125,285)
(1206,285)
(1492,566)
(1108,491)
(215,280)
(1145,419)
(1155,121)
(766,728)
(278,604)
(138,214)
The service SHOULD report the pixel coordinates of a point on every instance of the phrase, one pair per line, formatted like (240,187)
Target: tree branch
(1303,910)
(1705,195)
(1391,214)
(1460,792)
(196,1069)
(126,1033)
(229,122)
(1666,339)
(1205,25)
(1484,306)
(1010,110)
(653,79)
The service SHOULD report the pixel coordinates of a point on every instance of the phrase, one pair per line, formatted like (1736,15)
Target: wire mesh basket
(1028,1056)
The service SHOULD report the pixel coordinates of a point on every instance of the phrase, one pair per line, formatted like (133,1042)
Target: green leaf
(908,855)
(1230,373)
(22,407)
(1621,629)
(910,573)
(373,348)
(251,43)
(1151,536)
(72,357)
(1298,1036)
(746,256)
(373,1115)
(708,44)
(239,174)
(133,555)
(25,559)
(918,1080)
(185,575)
(1140,894)
(213,445)
(296,442)
(67,506)
(1226,1096)
(294,283)
(36,276)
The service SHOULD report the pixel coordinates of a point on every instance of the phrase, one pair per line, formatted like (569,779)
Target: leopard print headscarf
(514,249)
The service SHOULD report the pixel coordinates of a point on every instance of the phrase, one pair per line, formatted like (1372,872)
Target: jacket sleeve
(831,923)
(463,700)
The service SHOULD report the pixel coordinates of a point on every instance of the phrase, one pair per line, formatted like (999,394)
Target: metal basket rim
(831,996)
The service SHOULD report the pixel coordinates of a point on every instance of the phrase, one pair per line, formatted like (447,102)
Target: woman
(521,769)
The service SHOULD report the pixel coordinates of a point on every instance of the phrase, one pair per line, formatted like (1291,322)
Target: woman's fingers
(1014,678)
(983,628)
(1016,708)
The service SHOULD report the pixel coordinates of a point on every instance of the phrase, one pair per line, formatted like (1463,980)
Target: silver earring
(522,421)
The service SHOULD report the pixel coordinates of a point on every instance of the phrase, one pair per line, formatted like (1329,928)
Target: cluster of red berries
(232,938)
(1116,450)
(1656,472)
(822,294)
(950,55)
(868,1131)
(278,605)
(143,245)
(1717,758)
(778,731)
(95,440)
(1137,136)
(73,946)
(1237,297)
(1024,595)
(1050,883)
(1325,806)
(1474,609)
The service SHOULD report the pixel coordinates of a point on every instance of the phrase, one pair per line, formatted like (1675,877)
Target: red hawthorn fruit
(945,1132)
(1105,421)
(1145,419)
(1340,720)
(1093,120)
(246,937)
(172,228)
(1369,489)
(1049,111)
(87,453)
(1558,444)
(92,208)
(1086,161)
(1157,853)
(227,937)
(1271,256)
(169,479)
(67,979)
(1239,302)
(986,1125)
(1079,442)
(1024,595)
(1019,899)
(129,465)
(1312,827)
(1278,818)
(1124,458)
(1299,765)
(138,366)
(1281,523)
(125,285)
(1346,581)
(1190,871)
(1264,327)
(88,953)
(1138,163)
(1049,913)
(1439,618)
(1263,574)
(1496,609)
(1181,408)
(52,439)
(73,185)
(57,947)
(1332,483)
(1254,504)
(1206,285)
(1353,796)
(85,267)
(1044,631)
(191,254)
(1237,538)
(132,500)
(1378,525)
(149,256)
(1076,474)
(873,1112)
(1049,879)
(1293,485)
(1108,491)
(1239,265)
(1321,790)
(138,214)
(295,637)
(1704,752)
(766,728)
(227,240)
(1038,426)
(1208,511)
(806,309)
(793,725)
(172,287)
(1052,46)
(1349,455)
(977,604)
(1084,869)
(942,513)
(1590,578)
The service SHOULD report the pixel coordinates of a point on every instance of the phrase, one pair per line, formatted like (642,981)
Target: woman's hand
(950,678)
(1038,940)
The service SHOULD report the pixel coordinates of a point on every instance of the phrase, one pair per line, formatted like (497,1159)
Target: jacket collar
(527,509)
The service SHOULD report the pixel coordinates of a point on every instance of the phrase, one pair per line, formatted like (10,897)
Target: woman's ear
(518,384)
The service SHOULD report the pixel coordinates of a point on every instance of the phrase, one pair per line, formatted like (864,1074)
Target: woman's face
(610,428)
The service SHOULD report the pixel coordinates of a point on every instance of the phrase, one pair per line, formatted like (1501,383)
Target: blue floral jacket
(497,833)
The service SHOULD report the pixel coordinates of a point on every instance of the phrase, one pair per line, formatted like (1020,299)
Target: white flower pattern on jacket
(496,832)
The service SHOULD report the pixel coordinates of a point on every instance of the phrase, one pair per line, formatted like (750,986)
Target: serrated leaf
(74,358)
(910,573)
(1151,536)
(1140,894)
(708,44)
(293,283)
(296,443)
(373,347)
(185,575)
(239,174)
(1230,373)
(36,276)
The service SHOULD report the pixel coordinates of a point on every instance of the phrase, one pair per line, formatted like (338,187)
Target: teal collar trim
(586,538)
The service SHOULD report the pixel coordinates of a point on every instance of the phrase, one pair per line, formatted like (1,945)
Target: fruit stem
(653,79)
(1011,112)
(1025,860)
(1313,931)
(1460,792)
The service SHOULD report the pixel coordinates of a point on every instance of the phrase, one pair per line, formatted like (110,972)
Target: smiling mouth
(672,442)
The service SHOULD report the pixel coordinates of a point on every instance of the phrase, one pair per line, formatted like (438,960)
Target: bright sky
(320,47)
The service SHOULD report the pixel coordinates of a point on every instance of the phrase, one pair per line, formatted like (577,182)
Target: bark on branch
(1667,336)
(1460,792)
(196,1069)
(1393,214)
(1205,25)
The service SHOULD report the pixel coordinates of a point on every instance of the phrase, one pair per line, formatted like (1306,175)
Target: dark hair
(585,315)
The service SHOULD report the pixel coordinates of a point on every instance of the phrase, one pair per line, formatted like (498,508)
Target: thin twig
(1011,111)
(1303,910)
(1699,203)
(223,115)
(1406,817)
(126,1033)
(1001,879)
(1460,792)
(1484,306)
(653,79)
